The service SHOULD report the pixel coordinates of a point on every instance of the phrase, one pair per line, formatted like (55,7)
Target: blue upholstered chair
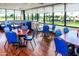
(12,38)
(24,27)
(66,30)
(58,32)
(30,38)
(10,27)
(61,46)
(6,29)
(28,23)
(53,27)
(45,30)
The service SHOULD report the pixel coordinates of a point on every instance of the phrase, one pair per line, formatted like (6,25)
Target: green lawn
(59,23)
(74,24)
(10,18)
(49,23)
(71,23)
(2,19)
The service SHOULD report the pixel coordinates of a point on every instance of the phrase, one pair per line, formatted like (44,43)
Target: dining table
(21,34)
(71,37)
(15,26)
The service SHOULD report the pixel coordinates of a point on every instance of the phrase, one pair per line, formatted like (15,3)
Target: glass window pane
(30,17)
(17,15)
(35,16)
(41,17)
(72,19)
(2,14)
(10,14)
(59,18)
(26,16)
(48,18)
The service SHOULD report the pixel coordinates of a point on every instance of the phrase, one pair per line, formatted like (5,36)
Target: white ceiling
(22,6)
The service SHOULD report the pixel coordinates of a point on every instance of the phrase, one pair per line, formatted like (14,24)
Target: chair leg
(31,45)
(56,53)
(34,42)
(5,44)
(42,36)
(26,42)
(37,33)
(17,46)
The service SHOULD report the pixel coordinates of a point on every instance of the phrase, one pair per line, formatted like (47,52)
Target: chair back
(53,27)
(24,27)
(45,28)
(10,27)
(11,37)
(61,46)
(29,25)
(6,29)
(66,30)
(58,32)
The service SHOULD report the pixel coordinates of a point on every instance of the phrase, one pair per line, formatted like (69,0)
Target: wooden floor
(44,47)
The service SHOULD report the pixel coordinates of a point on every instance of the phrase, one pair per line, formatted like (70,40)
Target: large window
(17,15)
(35,16)
(59,14)
(2,14)
(72,19)
(48,18)
(26,15)
(10,14)
(48,14)
(59,18)
(41,14)
(30,17)
(72,14)
(41,18)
